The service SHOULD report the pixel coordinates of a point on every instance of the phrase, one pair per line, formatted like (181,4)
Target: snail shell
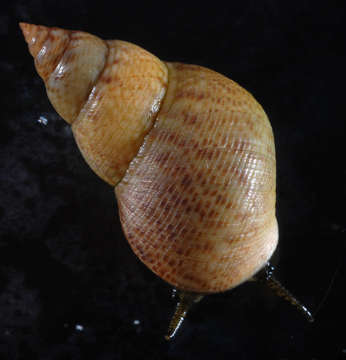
(190,153)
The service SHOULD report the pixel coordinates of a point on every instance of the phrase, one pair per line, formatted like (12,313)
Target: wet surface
(70,286)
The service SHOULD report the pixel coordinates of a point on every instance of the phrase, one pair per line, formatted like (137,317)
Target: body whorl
(197,204)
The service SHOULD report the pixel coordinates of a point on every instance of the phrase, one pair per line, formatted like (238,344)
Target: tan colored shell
(110,91)
(191,152)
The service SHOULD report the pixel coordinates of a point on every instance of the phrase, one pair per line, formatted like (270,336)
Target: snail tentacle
(186,300)
(265,276)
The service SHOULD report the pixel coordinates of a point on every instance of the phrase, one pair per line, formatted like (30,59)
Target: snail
(189,152)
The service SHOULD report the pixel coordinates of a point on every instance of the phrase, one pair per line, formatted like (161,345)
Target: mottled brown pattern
(202,188)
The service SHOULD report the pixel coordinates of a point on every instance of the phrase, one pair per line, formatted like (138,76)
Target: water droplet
(42,120)
(136,322)
(79,327)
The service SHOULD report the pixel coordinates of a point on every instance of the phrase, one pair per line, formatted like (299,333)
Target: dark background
(70,287)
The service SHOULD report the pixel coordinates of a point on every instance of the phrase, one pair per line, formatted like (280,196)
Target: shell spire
(46,45)
(60,60)
(110,91)
(34,35)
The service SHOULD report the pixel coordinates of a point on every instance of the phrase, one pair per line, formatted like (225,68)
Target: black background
(70,287)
